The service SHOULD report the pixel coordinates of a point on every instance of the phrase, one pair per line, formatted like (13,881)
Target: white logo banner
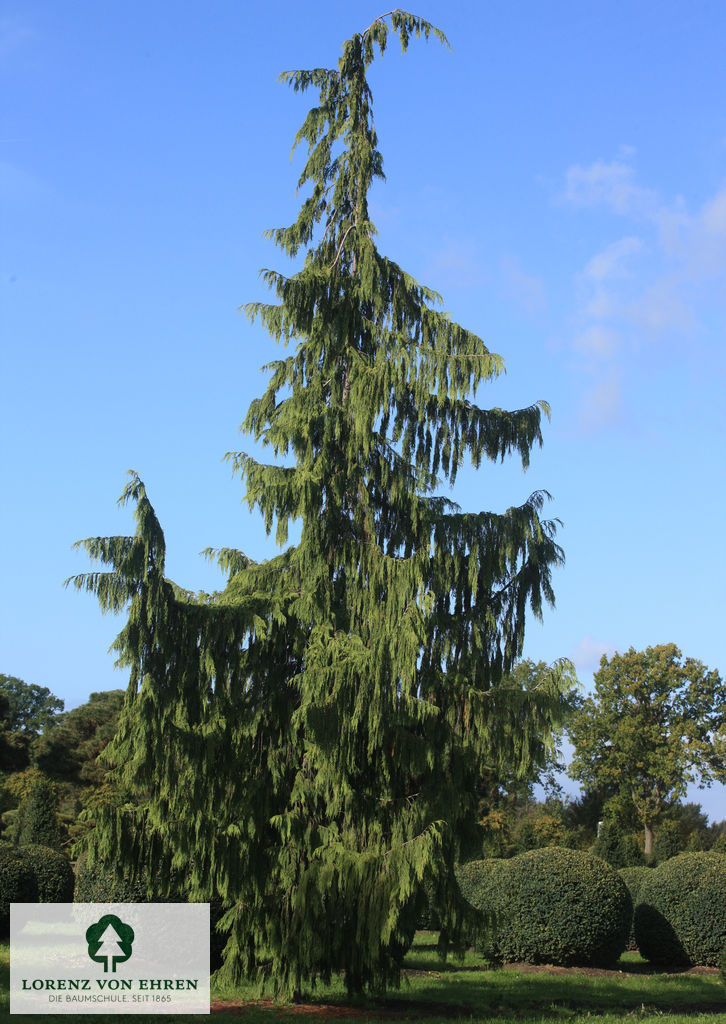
(109,958)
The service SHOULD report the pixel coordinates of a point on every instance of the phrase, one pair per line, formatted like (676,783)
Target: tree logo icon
(109,941)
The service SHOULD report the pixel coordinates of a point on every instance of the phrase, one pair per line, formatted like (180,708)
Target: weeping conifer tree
(305,744)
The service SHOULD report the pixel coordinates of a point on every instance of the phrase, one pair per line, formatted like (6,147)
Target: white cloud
(597,340)
(653,286)
(610,262)
(587,653)
(713,215)
(609,183)
(660,309)
(602,404)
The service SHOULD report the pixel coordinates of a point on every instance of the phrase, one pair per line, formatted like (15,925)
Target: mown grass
(471,990)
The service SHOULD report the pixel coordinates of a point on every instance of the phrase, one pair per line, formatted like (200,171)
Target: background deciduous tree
(655,722)
(30,708)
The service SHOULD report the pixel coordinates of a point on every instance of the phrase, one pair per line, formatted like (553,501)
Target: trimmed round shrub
(680,919)
(476,882)
(479,887)
(53,873)
(17,884)
(634,878)
(555,906)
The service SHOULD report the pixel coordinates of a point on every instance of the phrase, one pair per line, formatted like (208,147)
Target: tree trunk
(648,839)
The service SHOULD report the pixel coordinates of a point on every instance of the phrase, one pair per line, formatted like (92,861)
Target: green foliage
(102,883)
(551,906)
(654,723)
(349,686)
(667,841)
(691,818)
(68,751)
(719,845)
(479,886)
(681,915)
(634,878)
(27,708)
(17,884)
(37,821)
(478,882)
(695,843)
(619,849)
(53,873)
(537,830)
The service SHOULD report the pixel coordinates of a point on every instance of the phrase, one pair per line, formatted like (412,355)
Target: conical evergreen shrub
(37,819)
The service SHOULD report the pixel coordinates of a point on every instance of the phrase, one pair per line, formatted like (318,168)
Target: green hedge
(680,919)
(18,884)
(634,878)
(553,906)
(53,873)
(476,882)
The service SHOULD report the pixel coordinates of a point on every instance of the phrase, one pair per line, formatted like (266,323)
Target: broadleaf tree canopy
(655,722)
(306,743)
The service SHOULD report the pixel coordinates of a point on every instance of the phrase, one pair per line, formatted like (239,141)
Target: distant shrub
(538,831)
(680,919)
(53,873)
(695,843)
(554,906)
(634,878)
(619,849)
(667,841)
(720,844)
(17,884)
(37,817)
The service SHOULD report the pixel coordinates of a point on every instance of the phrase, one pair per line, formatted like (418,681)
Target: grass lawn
(438,992)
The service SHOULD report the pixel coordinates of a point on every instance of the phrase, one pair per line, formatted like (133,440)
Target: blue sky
(560,178)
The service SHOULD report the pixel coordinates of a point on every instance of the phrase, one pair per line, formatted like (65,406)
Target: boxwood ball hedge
(17,884)
(553,906)
(680,918)
(53,873)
